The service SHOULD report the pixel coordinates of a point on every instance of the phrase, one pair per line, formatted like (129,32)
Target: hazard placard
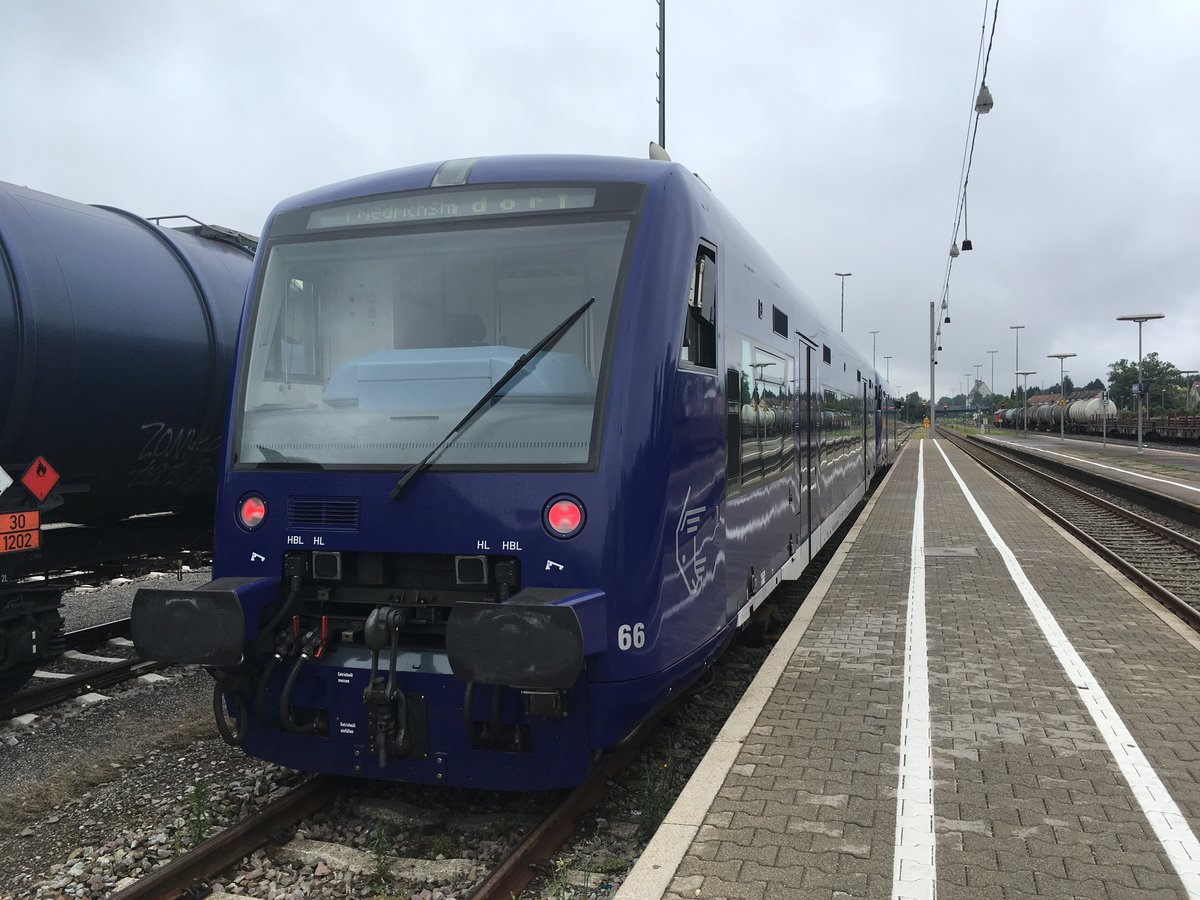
(5,481)
(19,531)
(40,478)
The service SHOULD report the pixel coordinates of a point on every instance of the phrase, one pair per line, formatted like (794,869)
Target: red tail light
(251,511)
(564,516)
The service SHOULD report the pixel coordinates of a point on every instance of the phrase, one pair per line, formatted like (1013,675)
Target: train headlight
(563,516)
(251,511)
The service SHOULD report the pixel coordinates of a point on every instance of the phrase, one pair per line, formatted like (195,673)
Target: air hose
(260,693)
(228,735)
(285,698)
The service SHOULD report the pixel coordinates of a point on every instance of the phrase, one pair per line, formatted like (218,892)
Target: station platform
(1175,473)
(969,704)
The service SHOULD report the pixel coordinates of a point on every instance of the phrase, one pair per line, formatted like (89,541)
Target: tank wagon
(516,446)
(1090,415)
(116,349)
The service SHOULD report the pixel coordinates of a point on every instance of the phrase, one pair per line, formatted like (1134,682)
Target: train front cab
(437,629)
(572,557)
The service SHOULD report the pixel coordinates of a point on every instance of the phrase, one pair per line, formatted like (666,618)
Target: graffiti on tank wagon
(175,458)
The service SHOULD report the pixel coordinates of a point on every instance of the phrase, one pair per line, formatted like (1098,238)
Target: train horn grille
(326,513)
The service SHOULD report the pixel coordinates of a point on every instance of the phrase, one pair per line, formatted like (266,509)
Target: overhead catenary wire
(982,60)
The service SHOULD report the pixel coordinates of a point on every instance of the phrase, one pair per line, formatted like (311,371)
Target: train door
(804,417)
(693,597)
(866,416)
(880,425)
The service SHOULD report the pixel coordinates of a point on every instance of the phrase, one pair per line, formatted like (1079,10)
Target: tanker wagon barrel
(117,341)
(1077,412)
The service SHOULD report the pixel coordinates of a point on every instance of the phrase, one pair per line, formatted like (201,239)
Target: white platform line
(1091,462)
(914,868)
(1171,828)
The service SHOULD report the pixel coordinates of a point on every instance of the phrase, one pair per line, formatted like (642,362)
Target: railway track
(558,853)
(1161,558)
(102,671)
(520,866)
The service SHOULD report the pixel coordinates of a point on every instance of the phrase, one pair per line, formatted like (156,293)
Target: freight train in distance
(1098,416)
(116,349)
(517,445)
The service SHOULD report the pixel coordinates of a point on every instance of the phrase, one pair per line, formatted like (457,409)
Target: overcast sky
(833,131)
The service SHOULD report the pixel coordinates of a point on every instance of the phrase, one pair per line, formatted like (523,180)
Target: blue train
(517,445)
(117,340)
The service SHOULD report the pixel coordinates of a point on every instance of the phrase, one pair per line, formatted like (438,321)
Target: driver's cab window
(700,321)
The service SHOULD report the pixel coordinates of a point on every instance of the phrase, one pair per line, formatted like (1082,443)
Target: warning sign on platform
(40,478)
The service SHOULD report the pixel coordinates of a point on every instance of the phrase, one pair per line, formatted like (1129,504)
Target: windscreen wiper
(544,344)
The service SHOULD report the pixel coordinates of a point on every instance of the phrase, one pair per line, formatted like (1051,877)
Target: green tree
(1157,373)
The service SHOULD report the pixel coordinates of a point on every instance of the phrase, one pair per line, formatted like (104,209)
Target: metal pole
(1062,389)
(1187,388)
(1139,397)
(1139,318)
(873,333)
(843,276)
(992,386)
(1024,403)
(1104,419)
(1016,353)
(887,362)
(1062,399)
(662,74)
(932,363)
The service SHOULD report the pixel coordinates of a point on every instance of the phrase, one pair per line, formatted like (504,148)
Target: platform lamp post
(1187,388)
(1024,404)
(1062,388)
(873,333)
(932,363)
(843,276)
(992,385)
(1016,352)
(1140,318)
(887,364)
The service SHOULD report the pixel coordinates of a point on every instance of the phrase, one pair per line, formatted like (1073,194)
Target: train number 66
(631,636)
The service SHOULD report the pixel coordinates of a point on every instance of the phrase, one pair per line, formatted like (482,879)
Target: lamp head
(984,103)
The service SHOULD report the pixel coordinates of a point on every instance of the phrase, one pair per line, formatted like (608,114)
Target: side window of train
(700,322)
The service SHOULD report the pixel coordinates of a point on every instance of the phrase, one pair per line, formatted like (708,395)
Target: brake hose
(285,698)
(228,736)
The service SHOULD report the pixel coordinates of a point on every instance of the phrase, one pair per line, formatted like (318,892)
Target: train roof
(488,170)
(568,169)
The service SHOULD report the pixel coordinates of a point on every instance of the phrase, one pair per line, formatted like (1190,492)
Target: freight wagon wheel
(12,680)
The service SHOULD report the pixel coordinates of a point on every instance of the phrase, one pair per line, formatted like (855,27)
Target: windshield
(367,349)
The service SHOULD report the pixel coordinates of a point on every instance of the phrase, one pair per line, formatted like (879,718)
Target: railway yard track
(105,654)
(212,821)
(1154,540)
(98,655)
(393,840)
(539,839)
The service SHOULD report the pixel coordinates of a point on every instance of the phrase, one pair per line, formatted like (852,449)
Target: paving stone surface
(1029,800)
